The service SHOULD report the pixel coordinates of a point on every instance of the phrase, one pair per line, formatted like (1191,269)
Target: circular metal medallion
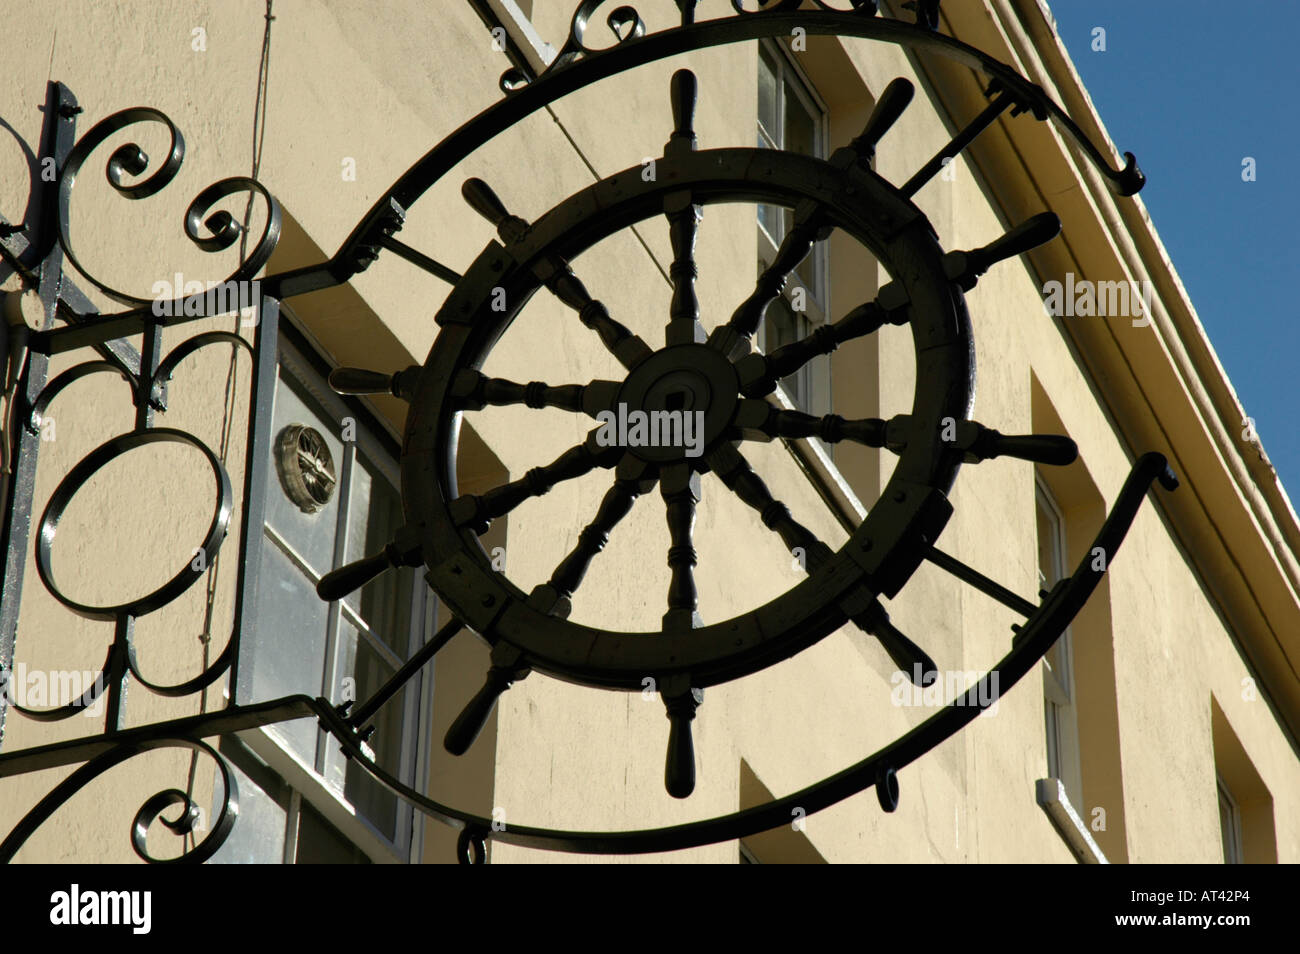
(305,466)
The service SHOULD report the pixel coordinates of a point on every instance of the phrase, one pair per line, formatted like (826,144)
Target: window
(276,824)
(791,118)
(331,498)
(1247,829)
(1058,665)
(1229,826)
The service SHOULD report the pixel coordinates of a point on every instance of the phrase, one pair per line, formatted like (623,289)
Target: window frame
(1060,696)
(810,396)
(1233,846)
(297,356)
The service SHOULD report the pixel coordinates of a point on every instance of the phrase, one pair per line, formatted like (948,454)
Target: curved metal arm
(1034,640)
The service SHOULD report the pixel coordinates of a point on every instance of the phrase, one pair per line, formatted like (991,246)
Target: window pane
(374,515)
(799,135)
(772,221)
(1228,829)
(1050,544)
(806,274)
(769,134)
(370,670)
(781,326)
(311,535)
(800,126)
(258,835)
(287,651)
(1053,718)
(320,843)
(768,117)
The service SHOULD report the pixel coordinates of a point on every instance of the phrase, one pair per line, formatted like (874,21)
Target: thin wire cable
(232,370)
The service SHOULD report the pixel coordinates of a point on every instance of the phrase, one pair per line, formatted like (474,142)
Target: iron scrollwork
(146,375)
(129,160)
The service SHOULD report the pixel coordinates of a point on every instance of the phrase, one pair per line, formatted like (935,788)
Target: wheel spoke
(684,313)
(632,479)
(683,221)
(558,277)
(870,617)
(680,486)
(965,268)
(888,108)
(361,381)
(758,420)
(629,349)
(477,511)
(734,471)
(979,443)
(759,373)
(473,391)
(910,658)
(733,338)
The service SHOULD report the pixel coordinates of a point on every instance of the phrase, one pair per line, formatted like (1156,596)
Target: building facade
(1161,726)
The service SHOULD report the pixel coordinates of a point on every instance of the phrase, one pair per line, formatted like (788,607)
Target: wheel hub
(684,397)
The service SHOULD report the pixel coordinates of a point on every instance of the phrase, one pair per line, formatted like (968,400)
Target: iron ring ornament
(720,373)
(83,472)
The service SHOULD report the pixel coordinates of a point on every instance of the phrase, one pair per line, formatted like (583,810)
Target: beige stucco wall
(380,84)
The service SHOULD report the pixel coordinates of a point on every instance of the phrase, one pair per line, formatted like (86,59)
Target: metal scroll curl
(186,823)
(129,160)
(623,21)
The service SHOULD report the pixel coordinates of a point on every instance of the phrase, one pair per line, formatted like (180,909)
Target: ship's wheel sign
(710,384)
(723,382)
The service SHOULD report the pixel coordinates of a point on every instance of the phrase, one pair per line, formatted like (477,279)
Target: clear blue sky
(1191,88)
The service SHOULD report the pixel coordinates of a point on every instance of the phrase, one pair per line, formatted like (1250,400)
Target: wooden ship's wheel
(719,376)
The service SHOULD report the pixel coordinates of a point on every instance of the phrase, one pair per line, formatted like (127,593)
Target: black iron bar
(400,678)
(1001,102)
(419,259)
(981,582)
